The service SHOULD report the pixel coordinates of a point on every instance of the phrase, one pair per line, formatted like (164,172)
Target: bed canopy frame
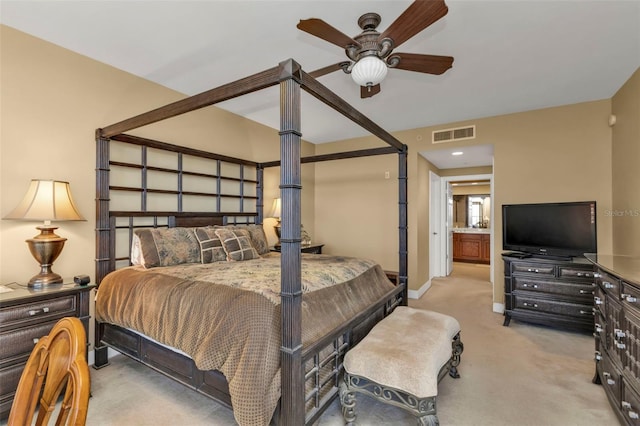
(291,78)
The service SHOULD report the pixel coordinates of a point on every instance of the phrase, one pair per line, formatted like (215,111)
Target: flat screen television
(551,229)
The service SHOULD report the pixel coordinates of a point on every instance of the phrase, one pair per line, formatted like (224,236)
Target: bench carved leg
(457,348)
(348,403)
(430,420)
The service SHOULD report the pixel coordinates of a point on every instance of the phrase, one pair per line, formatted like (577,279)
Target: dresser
(617,333)
(557,293)
(25,316)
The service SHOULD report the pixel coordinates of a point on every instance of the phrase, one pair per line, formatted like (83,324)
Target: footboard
(322,360)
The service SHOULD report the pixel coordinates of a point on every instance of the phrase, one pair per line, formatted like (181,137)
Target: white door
(435,217)
(449,227)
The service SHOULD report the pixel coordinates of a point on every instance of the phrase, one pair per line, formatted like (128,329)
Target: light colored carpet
(516,375)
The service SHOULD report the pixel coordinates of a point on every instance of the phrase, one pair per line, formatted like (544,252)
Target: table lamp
(276,213)
(46,200)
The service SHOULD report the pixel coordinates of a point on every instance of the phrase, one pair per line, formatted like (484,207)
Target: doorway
(473,230)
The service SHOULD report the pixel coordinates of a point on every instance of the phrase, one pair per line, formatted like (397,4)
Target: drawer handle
(629,298)
(36,340)
(598,356)
(607,284)
(530,285)
(587,292)
(596,300)
(533,270)
(619,333)
(620,345)
(607,376)
(597,275)
(598,328)
(533,305)
(35,312)
(591,312)
(630,413)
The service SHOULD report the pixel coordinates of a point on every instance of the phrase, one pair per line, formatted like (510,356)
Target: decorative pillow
(256,233)
(237,244)
(168,246)
(136,251)
(211,249)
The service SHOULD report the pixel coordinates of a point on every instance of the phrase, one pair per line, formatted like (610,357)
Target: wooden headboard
(146,183)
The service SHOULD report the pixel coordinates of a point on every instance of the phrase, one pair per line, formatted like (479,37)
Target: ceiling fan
(372,52)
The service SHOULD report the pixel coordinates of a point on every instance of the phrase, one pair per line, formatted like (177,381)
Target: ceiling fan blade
(329,69)
(321,29)
(369,91)
(416,18)
(430,64)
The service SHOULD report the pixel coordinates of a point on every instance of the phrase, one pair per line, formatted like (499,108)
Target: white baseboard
(498,307)
(417,294)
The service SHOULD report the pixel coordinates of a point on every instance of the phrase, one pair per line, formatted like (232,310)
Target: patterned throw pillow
(211,249)
(237,244)
(168,246)
(256,233)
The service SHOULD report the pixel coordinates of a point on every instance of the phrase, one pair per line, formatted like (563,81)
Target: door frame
(446,229)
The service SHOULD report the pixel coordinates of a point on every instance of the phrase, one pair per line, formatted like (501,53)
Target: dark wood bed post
(292,399)
(104,255)
(260,194)
(402,221)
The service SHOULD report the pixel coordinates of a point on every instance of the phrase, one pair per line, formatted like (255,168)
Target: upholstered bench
(401,361)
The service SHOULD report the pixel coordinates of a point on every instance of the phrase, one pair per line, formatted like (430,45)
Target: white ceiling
(510,56)
(471,156)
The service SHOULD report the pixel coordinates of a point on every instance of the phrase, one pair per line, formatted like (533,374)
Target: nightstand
(305,248)
(25,316)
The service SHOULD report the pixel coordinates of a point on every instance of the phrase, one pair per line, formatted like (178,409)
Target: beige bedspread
(226,315)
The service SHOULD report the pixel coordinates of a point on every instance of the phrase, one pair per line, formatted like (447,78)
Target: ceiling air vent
(449,135)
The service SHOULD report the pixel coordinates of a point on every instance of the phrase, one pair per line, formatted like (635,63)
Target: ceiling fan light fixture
(369,71)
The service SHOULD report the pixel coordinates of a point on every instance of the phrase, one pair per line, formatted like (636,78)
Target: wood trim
(228,91)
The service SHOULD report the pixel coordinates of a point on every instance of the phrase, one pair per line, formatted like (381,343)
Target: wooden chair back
(57,359)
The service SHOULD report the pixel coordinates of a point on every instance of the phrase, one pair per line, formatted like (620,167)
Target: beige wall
(625,212)
(553,154)
(52,102)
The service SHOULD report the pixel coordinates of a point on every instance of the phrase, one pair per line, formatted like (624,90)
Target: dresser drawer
(574,290)
(20,341)
(552,306)
(610,377)
(573,272)
(533,268)
(54,308)
(610,284)
(9,378)
(630,404)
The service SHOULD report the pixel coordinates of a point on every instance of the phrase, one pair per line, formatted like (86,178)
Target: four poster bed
(267,332)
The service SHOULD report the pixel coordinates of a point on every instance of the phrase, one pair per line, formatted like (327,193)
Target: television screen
(554,229)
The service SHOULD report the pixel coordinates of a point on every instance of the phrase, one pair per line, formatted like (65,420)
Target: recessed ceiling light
(457,153)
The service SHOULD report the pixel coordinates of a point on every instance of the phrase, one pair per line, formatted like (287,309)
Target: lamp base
(44,279)
(45,248)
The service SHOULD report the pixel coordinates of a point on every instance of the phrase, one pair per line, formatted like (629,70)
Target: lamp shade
(46,200)
(369,71)
(276,208)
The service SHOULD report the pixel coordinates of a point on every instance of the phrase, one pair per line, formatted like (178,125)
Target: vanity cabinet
(617,333)
(471,247)
(557,293)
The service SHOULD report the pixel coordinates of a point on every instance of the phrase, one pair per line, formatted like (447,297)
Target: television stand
(551,292)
